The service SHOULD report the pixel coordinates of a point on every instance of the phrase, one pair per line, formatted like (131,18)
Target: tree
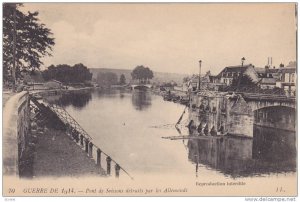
(68,74)
(33,76)
(243,81)
(107,79)
(122,79)
(33,40)
(141,73)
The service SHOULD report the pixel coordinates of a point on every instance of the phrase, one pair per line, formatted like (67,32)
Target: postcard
(149,99)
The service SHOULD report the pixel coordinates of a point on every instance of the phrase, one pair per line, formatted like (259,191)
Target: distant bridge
(141,86)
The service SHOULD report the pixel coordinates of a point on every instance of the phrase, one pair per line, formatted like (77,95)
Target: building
(267,77)
(282,77)
(227,75)
(287,78)
(208,82)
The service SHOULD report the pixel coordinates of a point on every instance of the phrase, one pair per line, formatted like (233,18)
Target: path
(6,94)
(57,155)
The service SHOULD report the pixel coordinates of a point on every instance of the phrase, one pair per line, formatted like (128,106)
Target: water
(129,126)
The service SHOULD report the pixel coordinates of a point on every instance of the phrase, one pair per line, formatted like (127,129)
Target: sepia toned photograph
(149,99)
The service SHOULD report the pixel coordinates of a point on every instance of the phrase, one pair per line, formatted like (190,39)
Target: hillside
(158,76)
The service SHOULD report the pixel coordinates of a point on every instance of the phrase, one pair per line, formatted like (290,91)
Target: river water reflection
(130,125)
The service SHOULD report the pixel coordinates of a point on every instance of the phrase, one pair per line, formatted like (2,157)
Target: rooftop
(287,70)
(239,69)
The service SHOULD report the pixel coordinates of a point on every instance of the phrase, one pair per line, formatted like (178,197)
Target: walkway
(57,155)
(6,94)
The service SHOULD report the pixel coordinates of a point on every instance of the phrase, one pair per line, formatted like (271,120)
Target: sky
(170,37)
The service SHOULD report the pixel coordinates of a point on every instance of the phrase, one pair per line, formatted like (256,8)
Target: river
(129,126)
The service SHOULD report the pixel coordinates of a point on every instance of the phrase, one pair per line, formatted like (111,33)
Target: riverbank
(61,90)
(56,155)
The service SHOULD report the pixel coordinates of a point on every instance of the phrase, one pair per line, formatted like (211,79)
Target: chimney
(271,62)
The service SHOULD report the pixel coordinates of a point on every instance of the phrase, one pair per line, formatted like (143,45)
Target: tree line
(77,73)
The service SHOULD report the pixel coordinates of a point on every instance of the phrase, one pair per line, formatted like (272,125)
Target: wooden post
(91,149)
(73,134)
(108,163)
(77,137)
(99,157)
(87,145)
(117,169)
(81,140)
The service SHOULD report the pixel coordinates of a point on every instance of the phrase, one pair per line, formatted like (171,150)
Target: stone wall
(240,117)
(208,109)
(16,124)
(215,110)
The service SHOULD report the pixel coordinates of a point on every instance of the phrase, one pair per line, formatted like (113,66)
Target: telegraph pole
(243,60)
(200,61)
(240,77)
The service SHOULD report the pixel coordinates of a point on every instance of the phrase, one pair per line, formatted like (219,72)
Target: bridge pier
(230,113)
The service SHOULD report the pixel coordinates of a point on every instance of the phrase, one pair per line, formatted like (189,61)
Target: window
(293,78)
(286,78)
(214,109)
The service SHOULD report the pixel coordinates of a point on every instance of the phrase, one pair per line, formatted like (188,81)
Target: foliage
(33,40)
(33,76)
(107,79)
(243,80)
(122,79)
(68,74)
(142,73)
